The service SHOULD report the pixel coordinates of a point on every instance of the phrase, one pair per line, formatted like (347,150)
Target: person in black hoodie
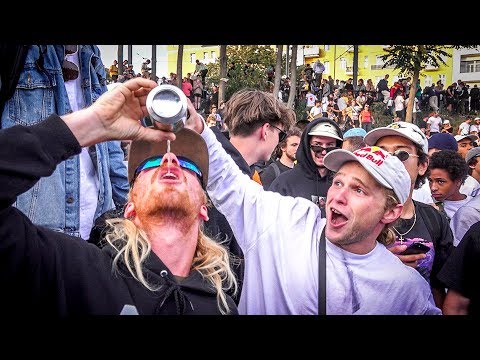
(157,259)
(253,119)
(310,179)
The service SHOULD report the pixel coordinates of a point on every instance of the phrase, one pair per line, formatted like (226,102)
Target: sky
(139,54)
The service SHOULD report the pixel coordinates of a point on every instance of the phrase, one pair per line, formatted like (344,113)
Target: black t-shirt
(462,269)
(268,174)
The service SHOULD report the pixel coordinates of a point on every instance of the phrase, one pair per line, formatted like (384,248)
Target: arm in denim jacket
(118,173)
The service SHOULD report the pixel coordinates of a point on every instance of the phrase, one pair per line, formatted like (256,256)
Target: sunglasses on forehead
(70,70)
(155,161)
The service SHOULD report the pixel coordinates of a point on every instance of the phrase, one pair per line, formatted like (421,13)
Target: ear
(422,167)
(391,215)
(129,210)
(203,213)
(263,131)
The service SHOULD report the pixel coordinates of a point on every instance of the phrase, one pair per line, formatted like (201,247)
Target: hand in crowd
(409,260)
(116,115)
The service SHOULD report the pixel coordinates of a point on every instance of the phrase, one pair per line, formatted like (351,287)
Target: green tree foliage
(260,57)
(412,59)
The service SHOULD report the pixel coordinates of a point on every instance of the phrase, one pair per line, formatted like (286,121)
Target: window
(428,80)
(442,78)
(213,55)
(365,62)
(469,66)
(193,57)
(205,55)
(343,63)
(327,67)
(327,47)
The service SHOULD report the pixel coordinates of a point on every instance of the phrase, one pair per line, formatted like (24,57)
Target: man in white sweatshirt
(280,237)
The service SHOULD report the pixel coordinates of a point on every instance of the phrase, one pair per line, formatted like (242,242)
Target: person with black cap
(310,178)
(157,259)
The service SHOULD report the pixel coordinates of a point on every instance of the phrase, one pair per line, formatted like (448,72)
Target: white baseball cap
(461,137)
(400,128)
(325,129)
(387,169)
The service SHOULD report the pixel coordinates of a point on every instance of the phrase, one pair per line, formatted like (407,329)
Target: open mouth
(337,219)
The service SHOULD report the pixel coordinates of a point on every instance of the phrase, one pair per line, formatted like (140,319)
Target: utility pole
(120,59)
(130,56)
(286,62)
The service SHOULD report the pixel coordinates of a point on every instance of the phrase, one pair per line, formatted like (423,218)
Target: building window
(193,57)
(327,67)
(343,63)
(442,78)
(428,80)
(469,66)
(365,62)
(205,56)
(213,55)
(327,47)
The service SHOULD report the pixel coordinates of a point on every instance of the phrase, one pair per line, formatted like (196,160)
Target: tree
(179,66)
(223,73)
(293,77)
(412,59)
(278,70)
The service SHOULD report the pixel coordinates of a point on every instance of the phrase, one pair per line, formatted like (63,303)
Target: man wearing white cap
(310,178)
(282,237)
(418,222)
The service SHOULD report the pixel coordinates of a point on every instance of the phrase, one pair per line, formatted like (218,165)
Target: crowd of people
(339,220)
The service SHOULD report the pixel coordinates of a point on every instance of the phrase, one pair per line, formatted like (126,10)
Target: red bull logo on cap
(376,155)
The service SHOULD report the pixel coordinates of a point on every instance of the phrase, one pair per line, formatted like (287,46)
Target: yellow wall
(335,69)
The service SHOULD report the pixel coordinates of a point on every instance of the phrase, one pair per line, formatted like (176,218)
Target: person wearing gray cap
(283,238)
(419,222)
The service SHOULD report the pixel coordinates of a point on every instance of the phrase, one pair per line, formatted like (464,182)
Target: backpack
(12,60)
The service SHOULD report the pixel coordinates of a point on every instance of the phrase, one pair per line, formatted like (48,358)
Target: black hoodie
(44,272)
(304,179)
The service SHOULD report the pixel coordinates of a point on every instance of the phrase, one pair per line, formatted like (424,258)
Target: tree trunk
(293,77)
(223,73)
(179,66)
(120,59)
(153,73)
(411,96)
(278,70)
(355,66)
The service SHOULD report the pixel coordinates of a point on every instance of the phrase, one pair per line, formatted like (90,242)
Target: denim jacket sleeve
(118,174)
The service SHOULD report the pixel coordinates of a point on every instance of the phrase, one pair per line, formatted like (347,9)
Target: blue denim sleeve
(118,173)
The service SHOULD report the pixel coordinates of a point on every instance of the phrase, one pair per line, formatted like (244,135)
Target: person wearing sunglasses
(419,222)
(310,178)
(84,186)
(157,259)
(257,122)
(282,237)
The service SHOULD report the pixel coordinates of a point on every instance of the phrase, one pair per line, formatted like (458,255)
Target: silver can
(167,104)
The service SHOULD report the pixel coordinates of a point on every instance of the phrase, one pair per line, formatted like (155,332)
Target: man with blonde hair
(157,259)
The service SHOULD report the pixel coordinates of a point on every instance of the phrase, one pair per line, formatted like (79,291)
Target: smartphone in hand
(415,248)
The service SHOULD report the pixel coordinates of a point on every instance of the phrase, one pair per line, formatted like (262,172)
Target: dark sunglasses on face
(281,134)
(403,155)
(70,70)
(155,161)
(317,149)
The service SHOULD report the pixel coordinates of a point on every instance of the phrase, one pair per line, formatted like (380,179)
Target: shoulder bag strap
(322,275)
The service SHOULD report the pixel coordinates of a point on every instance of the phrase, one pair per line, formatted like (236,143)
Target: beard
(170,205)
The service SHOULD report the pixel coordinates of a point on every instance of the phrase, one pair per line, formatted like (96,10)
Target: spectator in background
(146,69)
(366,118)
(113,71)
(201,70)
(83,186)
(447,127)
(353,139)
(187,88)
(310,178)
(285,157)
(214,97)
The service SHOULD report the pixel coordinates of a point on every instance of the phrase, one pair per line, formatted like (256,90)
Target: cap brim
(335,159)
(324,133)
(187,143)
